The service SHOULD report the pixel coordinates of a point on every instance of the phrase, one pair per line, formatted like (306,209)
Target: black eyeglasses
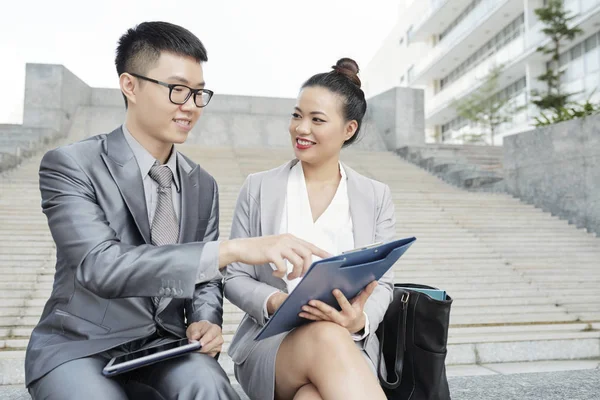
(180,94)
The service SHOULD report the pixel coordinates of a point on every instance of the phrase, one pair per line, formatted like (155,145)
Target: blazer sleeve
(385,231)
(84,238)
(207,301)
(242,286)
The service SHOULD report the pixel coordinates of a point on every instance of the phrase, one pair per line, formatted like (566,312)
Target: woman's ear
(350,129)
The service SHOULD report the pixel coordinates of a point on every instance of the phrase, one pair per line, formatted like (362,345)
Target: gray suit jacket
(106,270)
(258,212)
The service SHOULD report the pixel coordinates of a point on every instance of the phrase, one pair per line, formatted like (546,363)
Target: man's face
(155,115)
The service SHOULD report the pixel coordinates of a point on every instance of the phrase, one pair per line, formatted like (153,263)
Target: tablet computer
(151,355)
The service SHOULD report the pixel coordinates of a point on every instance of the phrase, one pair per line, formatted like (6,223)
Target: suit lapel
(191,200)
(362,208)
(125,171)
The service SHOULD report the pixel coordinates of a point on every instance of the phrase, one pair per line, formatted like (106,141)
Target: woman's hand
(351,317)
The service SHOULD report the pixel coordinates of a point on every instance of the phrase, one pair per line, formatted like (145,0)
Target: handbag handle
(400,346)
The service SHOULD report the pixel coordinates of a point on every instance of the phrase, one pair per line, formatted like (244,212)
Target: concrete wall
(557,168)
(52,96)
(229,120)
(56,99)
(244,121)
(399,115)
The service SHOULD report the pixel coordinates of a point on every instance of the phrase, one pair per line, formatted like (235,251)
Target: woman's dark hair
(343,80)
(140,47)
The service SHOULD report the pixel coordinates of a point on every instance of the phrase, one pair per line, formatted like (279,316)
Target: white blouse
(332,231)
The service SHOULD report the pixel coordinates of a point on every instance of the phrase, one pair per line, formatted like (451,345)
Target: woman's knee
(327,336)
(308,392)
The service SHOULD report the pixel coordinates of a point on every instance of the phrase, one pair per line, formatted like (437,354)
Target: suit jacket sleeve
(103,264)
(207,302)
(242,286)
(385,230)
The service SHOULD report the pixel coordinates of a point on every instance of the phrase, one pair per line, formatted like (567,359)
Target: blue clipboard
(349,272)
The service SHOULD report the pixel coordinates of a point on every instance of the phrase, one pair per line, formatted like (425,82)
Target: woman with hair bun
(319,199)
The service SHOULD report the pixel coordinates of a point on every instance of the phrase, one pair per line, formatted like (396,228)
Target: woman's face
(317,127)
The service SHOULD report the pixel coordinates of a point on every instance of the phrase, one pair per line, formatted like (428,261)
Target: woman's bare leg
(308,392)
(323,354)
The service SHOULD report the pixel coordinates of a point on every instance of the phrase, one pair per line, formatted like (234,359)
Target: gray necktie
(165,226)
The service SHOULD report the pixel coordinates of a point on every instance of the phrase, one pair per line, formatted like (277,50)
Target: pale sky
(255,47)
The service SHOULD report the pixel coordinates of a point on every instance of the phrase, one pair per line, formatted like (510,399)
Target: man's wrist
(228,252)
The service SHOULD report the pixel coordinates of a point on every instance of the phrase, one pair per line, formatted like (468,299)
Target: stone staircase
(18,142)
(476,168)
(525,283)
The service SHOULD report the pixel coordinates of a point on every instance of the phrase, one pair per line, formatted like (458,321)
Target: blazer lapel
(362,208)
(122,166)
(272,199)
(273,192)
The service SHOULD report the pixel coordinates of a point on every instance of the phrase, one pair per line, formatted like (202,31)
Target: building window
(454,125)
(516,92)
(510,32)
(460,18)
(580,66)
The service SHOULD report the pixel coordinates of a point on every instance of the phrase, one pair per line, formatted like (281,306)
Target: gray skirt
(256,375)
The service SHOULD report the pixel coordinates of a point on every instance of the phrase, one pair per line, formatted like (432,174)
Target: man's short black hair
(140,47)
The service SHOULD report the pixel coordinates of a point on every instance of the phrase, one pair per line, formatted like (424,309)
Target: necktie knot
(162,175)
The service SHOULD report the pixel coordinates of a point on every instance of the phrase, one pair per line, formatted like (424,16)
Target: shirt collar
(145,160)
(343,172)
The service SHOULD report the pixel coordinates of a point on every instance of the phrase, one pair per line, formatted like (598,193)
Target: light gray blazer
(258,213)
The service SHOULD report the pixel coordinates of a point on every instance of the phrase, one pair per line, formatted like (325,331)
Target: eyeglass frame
(171,86)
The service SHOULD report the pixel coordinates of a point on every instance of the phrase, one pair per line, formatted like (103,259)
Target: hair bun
(349,68)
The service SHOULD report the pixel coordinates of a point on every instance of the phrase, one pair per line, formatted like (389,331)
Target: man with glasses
(135,224)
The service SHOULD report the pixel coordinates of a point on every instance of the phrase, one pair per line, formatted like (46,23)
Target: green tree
(556,20)
(485,107)
(568,112)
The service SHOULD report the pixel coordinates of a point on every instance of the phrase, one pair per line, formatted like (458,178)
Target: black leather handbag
(412,338)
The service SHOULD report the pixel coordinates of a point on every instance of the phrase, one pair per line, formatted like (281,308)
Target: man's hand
(275,301)
(209,335)
(351,317)
(271,249)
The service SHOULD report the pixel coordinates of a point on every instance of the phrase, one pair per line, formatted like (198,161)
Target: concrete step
(24,294)
(465,351)
(522,280)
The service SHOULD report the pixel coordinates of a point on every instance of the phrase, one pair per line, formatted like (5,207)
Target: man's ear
(129,87)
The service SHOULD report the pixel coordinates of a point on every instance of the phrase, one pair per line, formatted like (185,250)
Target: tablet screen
(150,351)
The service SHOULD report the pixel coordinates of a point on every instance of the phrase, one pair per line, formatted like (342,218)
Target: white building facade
(448,47)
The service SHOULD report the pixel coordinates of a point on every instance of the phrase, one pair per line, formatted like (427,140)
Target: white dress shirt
(332,231)
(209,260)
